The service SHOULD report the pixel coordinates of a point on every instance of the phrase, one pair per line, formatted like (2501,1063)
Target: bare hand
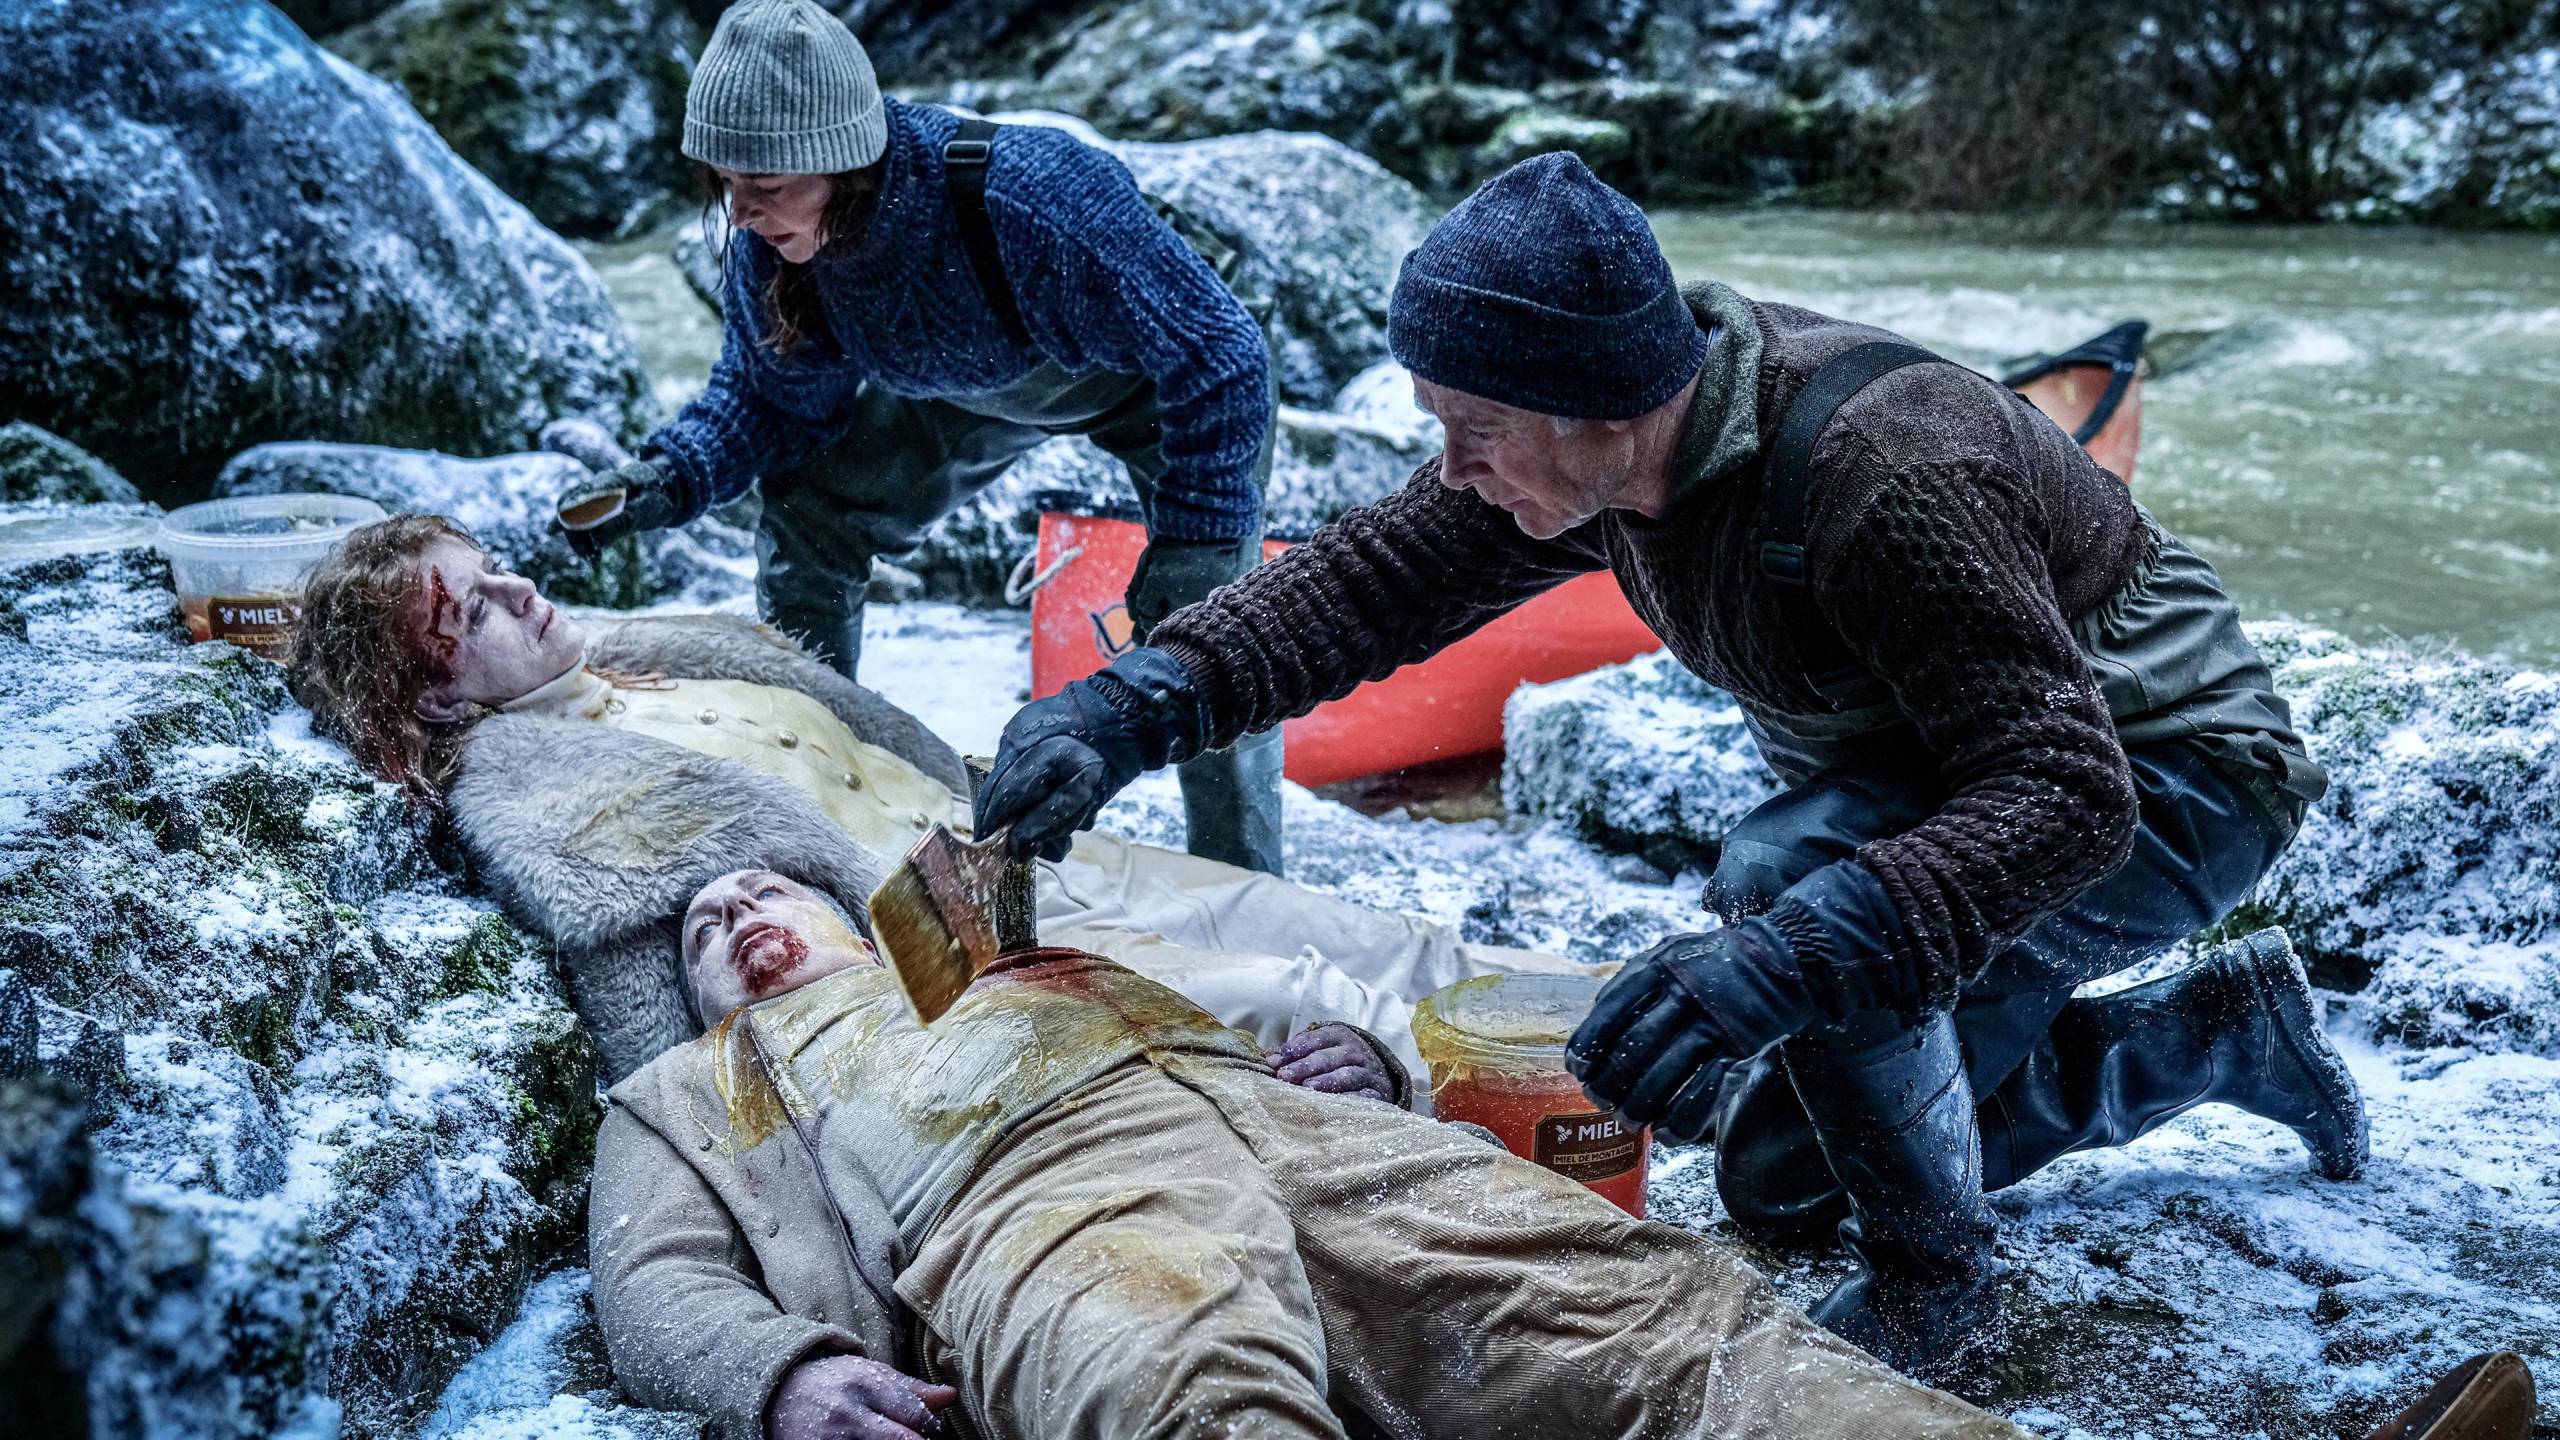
(845,1397)
(1335,1060)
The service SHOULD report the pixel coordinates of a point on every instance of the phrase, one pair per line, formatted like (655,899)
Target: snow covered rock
(698,249)
(1322,228)
(574,107)
(1681,99)
(221,234)
(1183,69)
(339,1110)
(1643,757)
(110,1330)
(2428,878)
(1381,397)
(944,37)
(36,464)
(2434,861)
(546,1376)
(506,501)
(1322,464)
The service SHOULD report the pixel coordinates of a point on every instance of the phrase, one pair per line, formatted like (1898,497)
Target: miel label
(262,623)
(1588,1146)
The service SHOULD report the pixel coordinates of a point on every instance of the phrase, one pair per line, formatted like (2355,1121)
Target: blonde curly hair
(357,660)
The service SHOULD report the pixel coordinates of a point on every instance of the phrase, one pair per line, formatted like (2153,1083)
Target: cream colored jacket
(596,825)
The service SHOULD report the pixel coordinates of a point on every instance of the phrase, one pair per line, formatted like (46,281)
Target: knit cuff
(1850,943)
(1519,353)
(828,150)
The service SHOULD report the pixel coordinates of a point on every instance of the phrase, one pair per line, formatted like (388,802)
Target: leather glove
(1666,1029)
(626,500)
(1175,573)
(1335,1059)
(1062,759)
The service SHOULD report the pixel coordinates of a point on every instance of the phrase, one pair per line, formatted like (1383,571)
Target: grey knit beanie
(1545,291)
(784,89)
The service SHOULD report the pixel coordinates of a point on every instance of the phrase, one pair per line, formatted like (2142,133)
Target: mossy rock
(1600,143)
(574,107)
(283,1014)
(273,245)
(36,464)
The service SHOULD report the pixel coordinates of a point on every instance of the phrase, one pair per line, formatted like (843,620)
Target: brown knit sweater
(1954,534)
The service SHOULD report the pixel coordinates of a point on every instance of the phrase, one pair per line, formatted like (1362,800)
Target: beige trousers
(1263,955)
(1189,1248)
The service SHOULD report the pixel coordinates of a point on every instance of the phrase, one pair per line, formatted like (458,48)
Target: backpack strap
(1786,504)
(964,161)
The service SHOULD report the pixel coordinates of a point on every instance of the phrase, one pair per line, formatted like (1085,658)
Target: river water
(2360,427)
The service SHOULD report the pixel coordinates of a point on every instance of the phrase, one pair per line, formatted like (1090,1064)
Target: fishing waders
(1891,1127)
(906,464)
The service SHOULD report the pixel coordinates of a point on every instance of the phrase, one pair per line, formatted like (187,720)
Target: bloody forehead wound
(440,603)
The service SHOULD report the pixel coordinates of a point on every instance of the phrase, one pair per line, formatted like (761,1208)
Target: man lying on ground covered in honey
(599,777)
(1077,1206)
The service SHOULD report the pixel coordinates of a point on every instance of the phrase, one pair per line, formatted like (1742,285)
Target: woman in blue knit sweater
(914,301)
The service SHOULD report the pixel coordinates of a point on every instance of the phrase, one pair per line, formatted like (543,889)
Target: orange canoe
(2094,392)
(1447,706)
(1450,705)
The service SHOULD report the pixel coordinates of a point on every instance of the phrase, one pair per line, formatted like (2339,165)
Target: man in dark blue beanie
(2025,741)
(1544,291)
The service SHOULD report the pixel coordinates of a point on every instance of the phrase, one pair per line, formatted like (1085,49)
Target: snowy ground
(2198,1282)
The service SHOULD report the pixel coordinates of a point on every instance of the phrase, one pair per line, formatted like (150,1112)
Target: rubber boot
(1230,797)
(1231,803)
(2487,1397)
(818,603)
(1896,1122)
(2238,1027)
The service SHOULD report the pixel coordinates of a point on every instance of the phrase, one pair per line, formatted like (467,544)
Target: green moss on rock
(573,107)
(37,464)
(362,1109)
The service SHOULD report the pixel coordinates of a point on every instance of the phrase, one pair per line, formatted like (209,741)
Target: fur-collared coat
(598,838)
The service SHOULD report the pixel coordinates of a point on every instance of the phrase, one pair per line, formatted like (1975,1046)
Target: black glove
(1175,573)
(1062,759)
(1666,1029)
(1657,1045)
(626,500)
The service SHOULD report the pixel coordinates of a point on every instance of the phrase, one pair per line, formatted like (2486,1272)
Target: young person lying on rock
(598,778)
(1078,1206)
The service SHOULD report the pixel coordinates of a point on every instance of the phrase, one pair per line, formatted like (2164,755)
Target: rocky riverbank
(292,1120)
(2283,112)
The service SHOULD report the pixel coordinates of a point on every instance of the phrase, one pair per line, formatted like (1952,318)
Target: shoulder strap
(1786,504)
(964,161)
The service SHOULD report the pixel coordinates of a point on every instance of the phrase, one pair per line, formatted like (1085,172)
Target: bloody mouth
(764,955)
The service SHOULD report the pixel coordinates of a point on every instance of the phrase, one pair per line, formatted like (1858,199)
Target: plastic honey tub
(1495,1047)
(43,534)
(238,564)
